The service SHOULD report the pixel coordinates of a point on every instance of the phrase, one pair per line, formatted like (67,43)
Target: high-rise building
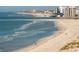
(68,11)
(77,11)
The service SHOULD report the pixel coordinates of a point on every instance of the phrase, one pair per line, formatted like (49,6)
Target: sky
(21,8)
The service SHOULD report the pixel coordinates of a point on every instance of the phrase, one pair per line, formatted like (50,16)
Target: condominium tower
(68,11)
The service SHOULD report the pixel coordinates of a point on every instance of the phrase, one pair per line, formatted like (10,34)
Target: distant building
(68,11)
(61,8)
(59,12)
(77,12)
(33,10)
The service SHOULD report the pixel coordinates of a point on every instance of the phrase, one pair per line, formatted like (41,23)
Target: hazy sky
(19,8)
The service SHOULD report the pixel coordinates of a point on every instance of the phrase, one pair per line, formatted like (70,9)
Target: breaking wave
(25,26)
(23,33)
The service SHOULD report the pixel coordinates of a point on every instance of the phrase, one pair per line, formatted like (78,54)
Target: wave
(19,34)
(25,26)
(28,30)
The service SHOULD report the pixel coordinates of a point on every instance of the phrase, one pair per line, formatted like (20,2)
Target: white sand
(69,31)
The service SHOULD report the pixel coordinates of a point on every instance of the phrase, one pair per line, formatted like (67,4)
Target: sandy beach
(68,31)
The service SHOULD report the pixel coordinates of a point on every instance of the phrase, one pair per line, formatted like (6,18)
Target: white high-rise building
(61,8)
(77,11)
(68,11)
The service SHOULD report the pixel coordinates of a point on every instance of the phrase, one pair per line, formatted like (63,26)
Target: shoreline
(42,40)
(38,43)
(68,31)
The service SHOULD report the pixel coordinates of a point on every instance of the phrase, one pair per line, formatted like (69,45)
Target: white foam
(25,26)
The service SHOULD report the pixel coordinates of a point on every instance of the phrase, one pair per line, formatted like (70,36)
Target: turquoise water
(20,33)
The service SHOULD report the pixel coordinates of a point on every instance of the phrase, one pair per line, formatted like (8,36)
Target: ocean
(20,33)
(14,15)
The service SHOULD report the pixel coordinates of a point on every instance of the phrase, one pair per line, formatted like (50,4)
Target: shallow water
(23,32)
